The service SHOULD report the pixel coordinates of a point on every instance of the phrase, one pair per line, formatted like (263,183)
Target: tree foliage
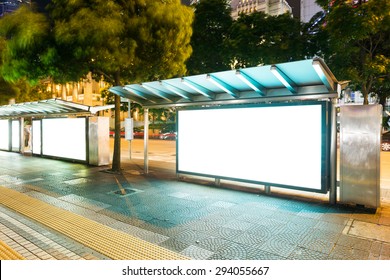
(259,38)
(358,42)
(126,41)
(210,30)
(123,41)
(24,35)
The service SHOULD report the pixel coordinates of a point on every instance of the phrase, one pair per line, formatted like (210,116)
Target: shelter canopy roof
(299,80)
(50,107)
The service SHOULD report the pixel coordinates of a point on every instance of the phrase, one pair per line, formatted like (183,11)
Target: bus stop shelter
(56,128)
(286,85)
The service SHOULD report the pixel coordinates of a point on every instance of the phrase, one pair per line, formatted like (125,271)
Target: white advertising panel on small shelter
(64,138)
(4,132)
(59,129)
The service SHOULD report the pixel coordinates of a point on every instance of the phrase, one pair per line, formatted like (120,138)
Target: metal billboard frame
(325,145)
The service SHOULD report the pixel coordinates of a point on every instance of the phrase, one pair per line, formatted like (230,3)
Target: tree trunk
(365,94)
(116,159)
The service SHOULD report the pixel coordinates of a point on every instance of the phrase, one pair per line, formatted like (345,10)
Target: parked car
(172,135)
(386,141)
(138,133)
(112,133)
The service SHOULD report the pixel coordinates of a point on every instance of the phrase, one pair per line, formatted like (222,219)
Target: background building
(8,6)
(308,9)
(301,9)
(271,7)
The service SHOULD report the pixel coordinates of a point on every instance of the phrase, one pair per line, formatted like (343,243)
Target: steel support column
(22,135)
(333,153)
(146,140)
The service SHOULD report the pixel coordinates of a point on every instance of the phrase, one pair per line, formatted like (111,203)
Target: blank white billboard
(4,135)
(36,137)
(15,125)
(64,138)
(276,145)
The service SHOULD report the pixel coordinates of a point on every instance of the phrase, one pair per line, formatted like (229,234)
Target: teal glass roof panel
(306,79)
(230,77)
(301,72)
(264,76)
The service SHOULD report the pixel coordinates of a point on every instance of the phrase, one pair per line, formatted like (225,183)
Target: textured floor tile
(197,253)
(354,242)
(174,245)
(212,243)
(301,253)
(278,247)
(233,251)
(347,253)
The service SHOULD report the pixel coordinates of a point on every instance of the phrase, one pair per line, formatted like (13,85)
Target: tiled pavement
(192,217)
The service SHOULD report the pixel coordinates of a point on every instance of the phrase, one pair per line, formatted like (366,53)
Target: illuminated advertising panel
(277,145)
(36,137)
(64,138)
(4,135)
(15,135)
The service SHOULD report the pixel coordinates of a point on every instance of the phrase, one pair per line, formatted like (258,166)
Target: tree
(125,41)
(30,52)
(210,29)
(258,38)
(359,42)
(122,41)
(24,35)
(7,92)
(315,36)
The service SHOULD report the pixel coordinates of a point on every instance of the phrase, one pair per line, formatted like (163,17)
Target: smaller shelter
(56,128)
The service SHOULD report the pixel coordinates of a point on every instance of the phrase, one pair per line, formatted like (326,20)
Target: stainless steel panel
(99,145)
(360,128)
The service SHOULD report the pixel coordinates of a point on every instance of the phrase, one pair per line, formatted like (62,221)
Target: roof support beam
(68,104)
(325,78)
(125,92)
(25,108)
(257,87)
(224,86)
(139,95)
(156,92)
(50,108)
(136,92)
(284,79)
(176,90)
(198,88)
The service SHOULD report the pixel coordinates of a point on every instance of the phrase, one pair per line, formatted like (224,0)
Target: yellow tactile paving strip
(114,244)
(7,253)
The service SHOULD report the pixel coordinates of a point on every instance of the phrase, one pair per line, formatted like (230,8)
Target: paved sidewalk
(191,217)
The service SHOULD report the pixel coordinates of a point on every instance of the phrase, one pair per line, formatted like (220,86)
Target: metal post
(217,182)
(129,116)
(146,140)
(333,153)
(267,189)
(22,136)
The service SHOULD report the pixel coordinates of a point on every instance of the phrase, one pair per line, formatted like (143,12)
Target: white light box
(36,137)
(64,138)
(15,135)
(279,145)
(4,134)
